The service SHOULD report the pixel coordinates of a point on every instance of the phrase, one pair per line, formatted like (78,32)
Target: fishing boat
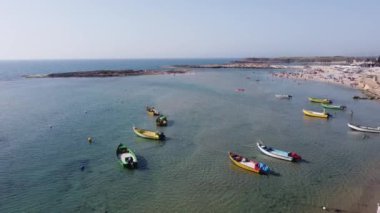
(320,100)
(283,96)
(126,157)
(154,135)
(162,120)
(364,128)
(316,114)
(152,111)
(240,90)
(283,155)
(248,164)
(330,106)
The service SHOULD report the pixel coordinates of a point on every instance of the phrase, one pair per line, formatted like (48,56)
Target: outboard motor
(295,156)
(161,136)
(129,161)
(264,169)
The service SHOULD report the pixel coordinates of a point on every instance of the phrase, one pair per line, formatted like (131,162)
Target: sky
(118,29)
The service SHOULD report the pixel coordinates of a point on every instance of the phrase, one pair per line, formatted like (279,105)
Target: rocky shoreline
(106,73)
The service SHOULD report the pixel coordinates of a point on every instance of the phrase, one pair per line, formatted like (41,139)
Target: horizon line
(181,58)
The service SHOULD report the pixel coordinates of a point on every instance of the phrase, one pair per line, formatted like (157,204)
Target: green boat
(320,100)
(162,120)
(126,157)
(330,106)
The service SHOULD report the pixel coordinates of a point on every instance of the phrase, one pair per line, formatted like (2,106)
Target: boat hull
(328,106)
(274,155)
(315,114)
(148,134)
(320,100)
(283,96)
(363,128)
(162,121)
(126,157)
(152,111)
(249,164)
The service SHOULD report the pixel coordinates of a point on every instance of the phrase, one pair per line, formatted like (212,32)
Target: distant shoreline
(362,73)
(283,62)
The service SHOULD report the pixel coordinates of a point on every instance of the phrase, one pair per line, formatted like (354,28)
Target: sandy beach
(365,79)
(356,72)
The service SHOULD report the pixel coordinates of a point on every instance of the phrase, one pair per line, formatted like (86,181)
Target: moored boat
(330,106)
(364,128)
(248,164)
(275,153)
(240,90)
(320,100)
(316,114)
(152,111)
(126,156)
(279,96)
(155,135)
(162,120)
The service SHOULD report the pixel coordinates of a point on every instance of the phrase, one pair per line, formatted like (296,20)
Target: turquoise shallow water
(190,172)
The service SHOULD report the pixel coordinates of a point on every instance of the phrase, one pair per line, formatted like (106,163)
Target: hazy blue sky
(49,29)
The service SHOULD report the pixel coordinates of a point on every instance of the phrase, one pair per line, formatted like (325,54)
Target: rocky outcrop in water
(106,73)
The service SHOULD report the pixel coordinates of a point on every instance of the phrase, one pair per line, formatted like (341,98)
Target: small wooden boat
(126,157)
(240,90)
(360,97)
(152,111)
(320,100)
(155,135)
(289,156)
(330,106)
(364,128)
(283,96)
(316,114)
(162,120)
(248,164)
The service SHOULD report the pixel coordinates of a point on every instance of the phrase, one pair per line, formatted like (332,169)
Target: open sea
(45,123)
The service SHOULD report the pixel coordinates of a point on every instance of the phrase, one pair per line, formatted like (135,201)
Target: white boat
(364,128)
(283,96)
(283,155)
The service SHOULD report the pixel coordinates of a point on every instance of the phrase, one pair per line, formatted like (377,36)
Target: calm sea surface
(44,125)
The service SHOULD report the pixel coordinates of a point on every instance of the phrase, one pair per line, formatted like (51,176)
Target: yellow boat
(152,111)
(316,114)
(248,164)
(155,135)
(320,100)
